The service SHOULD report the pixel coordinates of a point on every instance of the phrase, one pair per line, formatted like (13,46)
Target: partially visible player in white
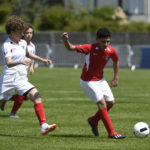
(12,79)
(18,99)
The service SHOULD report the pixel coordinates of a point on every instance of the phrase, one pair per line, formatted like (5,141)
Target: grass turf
(66,105)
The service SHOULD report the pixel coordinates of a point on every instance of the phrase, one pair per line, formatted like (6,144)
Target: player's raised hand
(65,36)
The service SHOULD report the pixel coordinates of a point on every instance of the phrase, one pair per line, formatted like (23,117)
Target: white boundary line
(62,91)
(67,99)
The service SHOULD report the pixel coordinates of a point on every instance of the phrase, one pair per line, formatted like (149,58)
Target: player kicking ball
(92,81)
(13,76)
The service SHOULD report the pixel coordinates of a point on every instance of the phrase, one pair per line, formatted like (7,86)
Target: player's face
(103,42)
(28,34)
(16,36)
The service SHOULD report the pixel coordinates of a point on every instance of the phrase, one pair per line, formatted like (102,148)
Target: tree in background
(45,15)
(5,10)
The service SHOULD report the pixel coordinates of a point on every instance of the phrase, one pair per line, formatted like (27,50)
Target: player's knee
(101,104)
(36,98)
(110,104)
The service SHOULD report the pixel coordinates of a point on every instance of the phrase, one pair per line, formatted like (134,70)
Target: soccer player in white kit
(92,81)
(18,100)
(13,77)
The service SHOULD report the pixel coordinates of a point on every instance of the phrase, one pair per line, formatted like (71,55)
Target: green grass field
(66,105)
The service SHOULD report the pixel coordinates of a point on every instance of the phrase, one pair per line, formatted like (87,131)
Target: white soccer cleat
(46,128)
(13,116)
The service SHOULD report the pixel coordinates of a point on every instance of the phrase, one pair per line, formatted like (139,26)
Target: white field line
(123,97)
(67,99)
(62,91)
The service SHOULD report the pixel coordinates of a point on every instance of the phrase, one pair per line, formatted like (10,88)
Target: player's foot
(45,128)
(117,136)
(94,127)
(2,105)
(13,116)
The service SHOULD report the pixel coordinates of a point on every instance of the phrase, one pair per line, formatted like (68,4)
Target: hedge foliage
(56,18)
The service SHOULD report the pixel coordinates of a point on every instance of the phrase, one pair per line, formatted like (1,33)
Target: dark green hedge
(56,18)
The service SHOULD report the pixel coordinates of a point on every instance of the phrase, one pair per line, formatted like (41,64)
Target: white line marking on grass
(61,91)
(67,99)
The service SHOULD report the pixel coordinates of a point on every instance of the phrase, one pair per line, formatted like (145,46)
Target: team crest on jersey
(23,46)
(107,57)
(97,48)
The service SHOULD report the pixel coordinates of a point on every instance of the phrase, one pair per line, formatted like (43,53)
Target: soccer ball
(141,129)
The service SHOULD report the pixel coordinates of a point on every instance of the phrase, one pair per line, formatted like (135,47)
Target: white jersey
(30,49)
(17,51)
(14,78)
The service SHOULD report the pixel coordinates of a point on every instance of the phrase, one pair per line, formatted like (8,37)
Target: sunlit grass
(66,105)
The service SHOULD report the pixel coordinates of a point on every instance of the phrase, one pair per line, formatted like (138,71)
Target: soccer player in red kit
(92,81)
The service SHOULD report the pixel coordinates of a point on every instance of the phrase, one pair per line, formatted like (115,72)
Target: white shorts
(9,83)
(96,90)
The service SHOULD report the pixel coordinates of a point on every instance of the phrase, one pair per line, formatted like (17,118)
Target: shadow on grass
(4,116)
(52,135)
(12,135)
(73,136)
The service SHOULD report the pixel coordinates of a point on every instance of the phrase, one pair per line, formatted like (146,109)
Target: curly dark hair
(103,33)
(15,24)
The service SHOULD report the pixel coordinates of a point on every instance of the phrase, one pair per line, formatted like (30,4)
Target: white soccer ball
(141,129)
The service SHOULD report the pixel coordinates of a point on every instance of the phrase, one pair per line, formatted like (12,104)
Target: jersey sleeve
(114,56)
(6,49)
(34,50)
(83,48)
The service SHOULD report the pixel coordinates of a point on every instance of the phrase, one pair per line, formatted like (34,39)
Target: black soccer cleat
(117,136)
(93,127)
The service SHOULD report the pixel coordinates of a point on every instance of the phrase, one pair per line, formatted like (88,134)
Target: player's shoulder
(91,45)
(7,43)
(31,45)
(110,48)
(22,41)
(84,45)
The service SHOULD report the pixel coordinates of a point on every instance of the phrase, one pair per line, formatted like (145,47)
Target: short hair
(15,24)
(103,33)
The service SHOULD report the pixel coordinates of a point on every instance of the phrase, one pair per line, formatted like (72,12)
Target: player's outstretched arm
(68,45)
(33,56)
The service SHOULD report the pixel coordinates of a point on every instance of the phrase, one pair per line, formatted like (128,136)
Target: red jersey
(95,61)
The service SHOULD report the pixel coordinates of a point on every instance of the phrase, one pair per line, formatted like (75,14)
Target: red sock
(97,116)
(107,121)
(18,100)
(40,112)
